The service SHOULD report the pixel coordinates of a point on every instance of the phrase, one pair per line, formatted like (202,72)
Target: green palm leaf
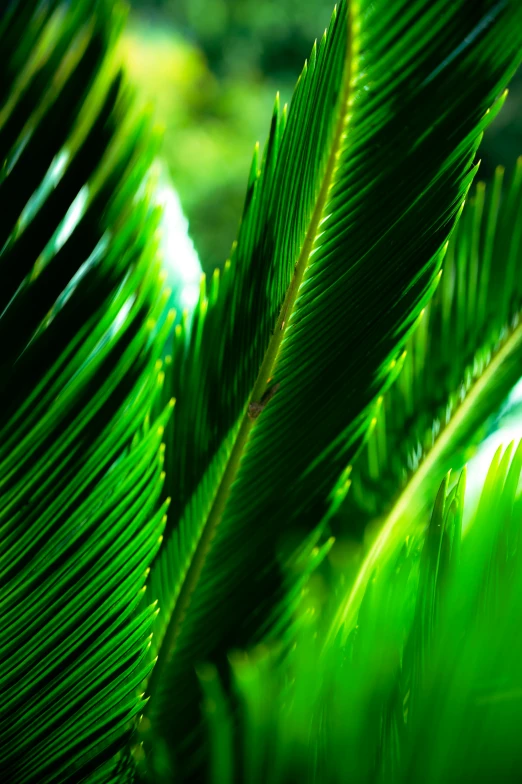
(461,364)
(426,688)
(80,462)
(345,226)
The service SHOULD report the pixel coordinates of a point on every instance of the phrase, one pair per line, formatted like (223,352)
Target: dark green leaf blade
(332,311)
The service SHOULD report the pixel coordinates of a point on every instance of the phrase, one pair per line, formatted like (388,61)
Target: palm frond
(461,364)
(426,688)
(80,461)
(346,221)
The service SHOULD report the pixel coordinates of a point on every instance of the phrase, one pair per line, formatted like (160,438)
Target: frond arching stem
(395,527)
(260,393)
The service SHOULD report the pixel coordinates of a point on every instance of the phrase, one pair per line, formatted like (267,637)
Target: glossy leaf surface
(346,221)
(80,461)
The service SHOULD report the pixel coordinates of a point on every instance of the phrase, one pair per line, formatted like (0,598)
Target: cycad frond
(80,464)
(346,222)
(461,364)
(426,688)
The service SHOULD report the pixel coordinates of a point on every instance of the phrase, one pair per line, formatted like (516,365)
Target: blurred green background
(212,68)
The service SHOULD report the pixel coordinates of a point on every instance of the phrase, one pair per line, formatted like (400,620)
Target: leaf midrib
(260,387)
(392,530)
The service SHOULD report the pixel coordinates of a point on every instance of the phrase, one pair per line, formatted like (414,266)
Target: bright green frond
(461,363)
(80,462)
(426,687)
(345,226)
